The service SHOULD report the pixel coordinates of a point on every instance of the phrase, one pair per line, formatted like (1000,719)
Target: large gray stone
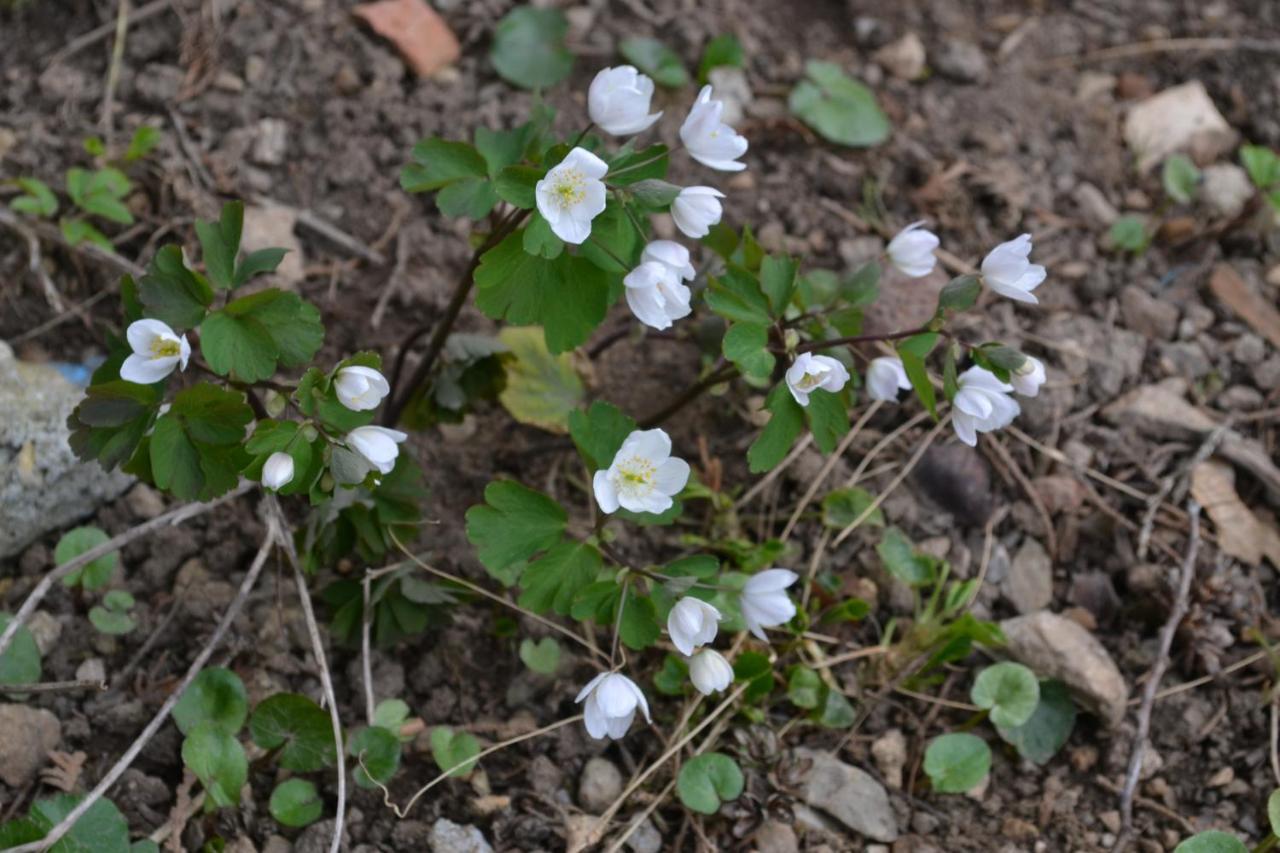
(1057,647)
(26,736)
(449,837)
(43,486)
(849,795)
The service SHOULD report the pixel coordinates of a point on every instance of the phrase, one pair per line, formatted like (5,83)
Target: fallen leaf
(1260,314)
(418,32)
(65,774)
(1240,533)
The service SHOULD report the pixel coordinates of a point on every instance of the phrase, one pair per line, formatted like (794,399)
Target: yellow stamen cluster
(164,348)
(568,188)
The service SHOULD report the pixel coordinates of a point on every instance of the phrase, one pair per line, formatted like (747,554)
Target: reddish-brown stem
(813,346)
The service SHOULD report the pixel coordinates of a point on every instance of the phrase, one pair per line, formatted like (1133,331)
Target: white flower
(377,445)
(360,388)
(1027,379)
(692,623)
(982,404)
(612,699)
(277,472)
(709,140)
(911,251)
(885,377)
(618,101)
(656,295)
(710,672)
(157,350)
(572,194)
(672,254)
(696,209)
(644,475)
(1008,271)
(811,372)
(764,600)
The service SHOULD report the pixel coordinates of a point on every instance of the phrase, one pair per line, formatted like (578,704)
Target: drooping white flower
(696,209)
(643,477)
(708,139)
(572,194)
(656,295)
(885,377)
(157,350)
(672,254)
(764,600)
(618,101)
(692,623)
(1007,269)
(360,388)
(277,471)
(611,699)
(810,372)
(376,445)
(1028,379)
(710,672)
(982,404)
(911,250)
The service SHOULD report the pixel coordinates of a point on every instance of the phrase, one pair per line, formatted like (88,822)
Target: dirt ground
(998,139)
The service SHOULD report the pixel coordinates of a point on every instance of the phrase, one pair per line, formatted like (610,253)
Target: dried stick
(53,687)
(47,231)
(1153,682)
(113,70)
(763,483)
(99,33)
(113,544)
(366,663)
(242,595)
(826,469)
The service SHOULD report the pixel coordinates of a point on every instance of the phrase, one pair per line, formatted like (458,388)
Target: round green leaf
(20,663)
(1047,730)
(957,762)
(218,761)
(706,780)
(839,108)
(296,802)
(218,696)
(528,47)
(391,714)
(379,750)
(1273,811)
(101,828)
(1009,691)
(542,656)
(96,573)
(298,727)
(1211,842)
(655,59)
(111,622)
(451,749)
(804,687)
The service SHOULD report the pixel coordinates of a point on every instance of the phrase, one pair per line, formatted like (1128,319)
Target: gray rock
(43,486)
(1249,349)
(1057,647)
(144,501)
(851,796)
(46,630)
(733,90)
(277,844)
(1104,355)
(1267,375)
(1182,118)
(600,785)
(93,669)
(904,58)
(449,837)
(1094,205)
(317,838)
(1226,189)
(271,142)
(890,752)
(962,61)
(1184,358)
(1029,584)
(1147,315)
(646,838)
(411,835)
(26,736)
(776,837)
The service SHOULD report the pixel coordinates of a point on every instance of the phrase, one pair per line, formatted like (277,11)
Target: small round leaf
(1273,811)
(218,696)
(1009,691)
(541,657)
(707,780)
(296,802)
(451,749)
(1211,842)
(379,751)
(299,727)
(957,762)
(20,663)
(218,760)
(96,573)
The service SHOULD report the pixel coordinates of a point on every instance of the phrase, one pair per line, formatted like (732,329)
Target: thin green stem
(634,166)
(602,247)
(632,217)
(617,625)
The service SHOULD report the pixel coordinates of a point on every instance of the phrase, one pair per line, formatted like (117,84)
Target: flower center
(635,476)
(808,381)
(164,348)
(569,188)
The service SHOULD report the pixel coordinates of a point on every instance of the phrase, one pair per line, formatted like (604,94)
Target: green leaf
(1000,358)
(804,687)
(1180,177)
(20,663)
(1212,841)
(172,292)
(628,168)
(843,507)
(218,761)
(567,296)
(755,669)
(261,262)
(144,139)
(671,679)
(835,712)
(437,163)
(1273,809)
(76,231)
(101,829)
(653,193)
(391,714)
(828,419)
(220,242)
(195,449)
(721,50)
(542,389)
(238,347)
(111,420)
(863,287)
(1009,691)
(296,802)
(38,200)
(655,59)
(248,337)
(708,779)
(97,573)
(513,524)
(452,749)
(517,185)
(540,240)
(299,728)
(957,762)
(1262,164)
(503,148)
(747,346)
(542,657)
(111,622)
(211,414)
(599,433)
(551,581)
(528,47)
(901,560)
(960,294)
(916,371)
(786,422)
(1129,233)
(849,610)
(737,297)
(217,696)
(638,628)
(101,193)
(615,242)
(469,197)
(379,750)
(1047,729)
(841,109)
(778,281)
